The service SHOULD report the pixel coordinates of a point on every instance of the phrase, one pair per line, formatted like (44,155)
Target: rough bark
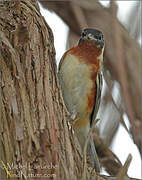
(36,140)
(34,131)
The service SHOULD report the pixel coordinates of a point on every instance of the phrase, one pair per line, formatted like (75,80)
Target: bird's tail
(92,157)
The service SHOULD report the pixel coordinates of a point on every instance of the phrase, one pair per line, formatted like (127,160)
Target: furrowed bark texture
(34,131)
(36,141)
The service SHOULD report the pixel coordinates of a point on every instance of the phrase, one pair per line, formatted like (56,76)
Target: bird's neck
(88,51)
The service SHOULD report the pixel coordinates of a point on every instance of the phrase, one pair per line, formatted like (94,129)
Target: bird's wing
(98,84)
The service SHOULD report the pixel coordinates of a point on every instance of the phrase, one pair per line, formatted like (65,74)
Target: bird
(81,79)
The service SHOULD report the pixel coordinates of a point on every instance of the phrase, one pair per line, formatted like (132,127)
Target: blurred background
(120,125)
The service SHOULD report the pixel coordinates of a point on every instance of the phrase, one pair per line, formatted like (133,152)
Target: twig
(119,109)
(6,169)
(85,148)
(123,171)
(120,63)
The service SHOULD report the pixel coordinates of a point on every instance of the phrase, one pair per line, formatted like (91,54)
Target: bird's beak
(96,42)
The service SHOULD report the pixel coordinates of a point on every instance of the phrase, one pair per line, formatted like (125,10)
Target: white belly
(76,85)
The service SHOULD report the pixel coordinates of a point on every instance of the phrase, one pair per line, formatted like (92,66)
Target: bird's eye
(83,34)
(100,37)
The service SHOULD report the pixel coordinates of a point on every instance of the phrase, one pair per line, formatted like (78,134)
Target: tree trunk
(36,141)
(35,138)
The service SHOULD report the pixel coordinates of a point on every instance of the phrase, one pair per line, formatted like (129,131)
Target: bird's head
(93,35)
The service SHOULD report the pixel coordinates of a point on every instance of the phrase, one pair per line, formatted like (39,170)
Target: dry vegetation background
(33,123)
(122,59)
